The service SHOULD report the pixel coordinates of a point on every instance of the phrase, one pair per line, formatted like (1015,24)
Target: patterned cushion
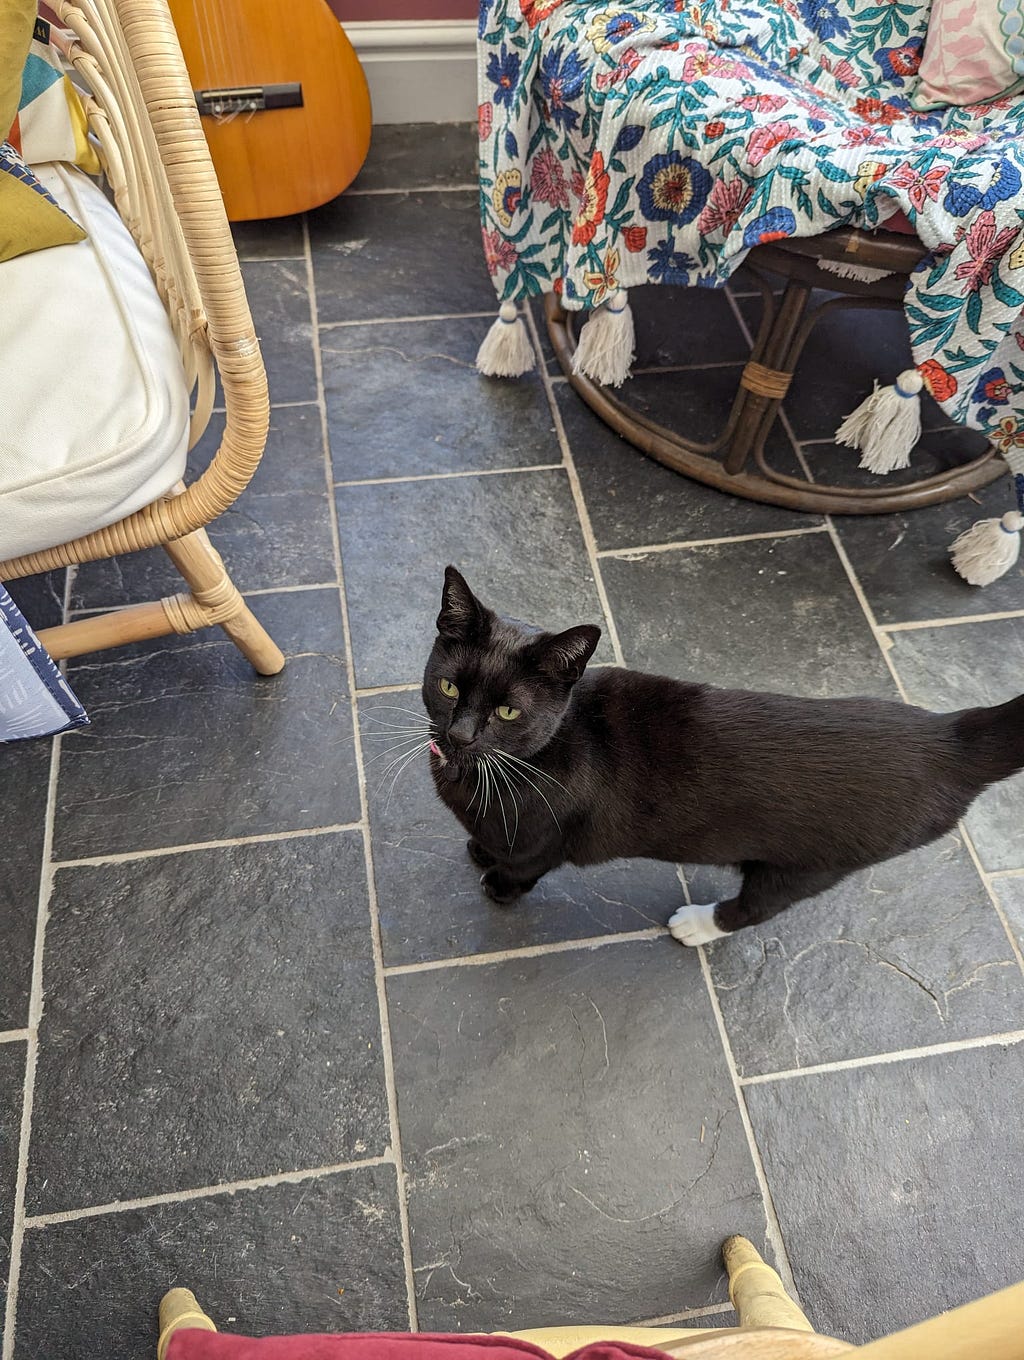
(50,124)
(29,218)
(974,51)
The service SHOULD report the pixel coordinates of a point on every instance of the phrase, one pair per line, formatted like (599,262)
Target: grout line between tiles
(951,622)
(408,189)
(529,951)
(993,896)
(269,259)
(247,594)
(885,1059)
(387,689)
(712,1310)
(582,514)
(11,1036)
(274,405)
(773,1228)
(447,476)
(402,320)
(387,1053)
(711,542)
(121,1206)
(684,368)
(258,838)
(1006,873)
(35,1011)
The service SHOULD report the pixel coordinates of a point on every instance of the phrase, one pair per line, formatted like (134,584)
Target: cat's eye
(449,690)
(509,714)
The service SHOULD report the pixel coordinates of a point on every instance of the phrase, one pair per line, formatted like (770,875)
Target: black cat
(544,764)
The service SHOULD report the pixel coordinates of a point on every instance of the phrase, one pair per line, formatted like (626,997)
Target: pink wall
(404,9)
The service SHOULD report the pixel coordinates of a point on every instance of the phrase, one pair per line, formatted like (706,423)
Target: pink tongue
(435,748)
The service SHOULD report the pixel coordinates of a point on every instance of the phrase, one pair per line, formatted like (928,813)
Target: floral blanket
(659,140)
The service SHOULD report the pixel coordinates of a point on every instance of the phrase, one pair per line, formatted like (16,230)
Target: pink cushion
(192,1344)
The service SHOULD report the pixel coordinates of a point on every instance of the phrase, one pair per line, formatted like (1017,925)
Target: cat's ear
(564,656)
(462,615)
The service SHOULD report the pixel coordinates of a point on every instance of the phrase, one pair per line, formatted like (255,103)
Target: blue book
(35,699)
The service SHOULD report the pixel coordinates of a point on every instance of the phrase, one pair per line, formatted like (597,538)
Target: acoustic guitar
(283,101)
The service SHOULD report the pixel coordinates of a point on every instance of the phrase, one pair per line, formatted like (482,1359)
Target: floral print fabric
(658,141)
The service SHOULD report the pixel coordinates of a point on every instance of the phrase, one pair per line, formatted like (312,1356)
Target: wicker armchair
(142,111)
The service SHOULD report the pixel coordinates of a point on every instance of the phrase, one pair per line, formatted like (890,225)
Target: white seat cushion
(95,407)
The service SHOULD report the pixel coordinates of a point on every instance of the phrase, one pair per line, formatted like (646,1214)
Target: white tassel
(506,351)
(863,273)
(607,343)
(988,549)
(886,425)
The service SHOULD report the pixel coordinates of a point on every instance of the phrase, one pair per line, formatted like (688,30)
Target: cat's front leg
(501,887)
(505,882)
(480,856)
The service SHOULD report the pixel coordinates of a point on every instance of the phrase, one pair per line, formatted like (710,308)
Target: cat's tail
(992,739)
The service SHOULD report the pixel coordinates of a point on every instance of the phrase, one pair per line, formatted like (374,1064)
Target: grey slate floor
(260,1034)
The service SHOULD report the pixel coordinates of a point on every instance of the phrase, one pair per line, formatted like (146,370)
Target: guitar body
(283,100)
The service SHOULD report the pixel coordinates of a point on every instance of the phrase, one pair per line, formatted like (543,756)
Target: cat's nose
(462,733)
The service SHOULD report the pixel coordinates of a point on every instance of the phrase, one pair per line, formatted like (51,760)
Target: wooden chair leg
(213,590)
(757,1293)
(178,1308)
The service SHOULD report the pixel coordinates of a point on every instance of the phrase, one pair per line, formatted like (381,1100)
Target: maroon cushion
(192,1344)
(899,222)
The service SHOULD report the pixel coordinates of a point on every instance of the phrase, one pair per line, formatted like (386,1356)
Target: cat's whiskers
(504,775)
(519,769)
(404,742)
(392,708)
(397,761)
(534,769)
(476,790)
(406,760)
(495,769)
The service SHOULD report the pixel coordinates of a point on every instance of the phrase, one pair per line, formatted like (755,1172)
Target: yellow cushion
(29,218)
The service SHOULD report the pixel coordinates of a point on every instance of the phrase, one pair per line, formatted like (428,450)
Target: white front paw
(695,924)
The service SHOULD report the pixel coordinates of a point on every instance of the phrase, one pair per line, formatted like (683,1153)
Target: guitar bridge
(248,99)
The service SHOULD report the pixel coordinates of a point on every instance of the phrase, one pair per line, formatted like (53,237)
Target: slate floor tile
(278,238)
(963,666)
(397,538)
(188,744)
(278,294)
(898,1187)
(24,781)
(407,254)
(691,326)
(418,155)
(938,451)
(571,1152)
(319,1255)
(772,614)
(905,954)
(428,892)
(1010,892)
(158,1070)
(902,560)
(12,1084)
(633,500)
(406,399)
(40,598)
(278,532)
(685,326)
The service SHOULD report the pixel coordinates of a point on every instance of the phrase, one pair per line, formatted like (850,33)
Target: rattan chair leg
(215,593)
(766,382)
(757,1293)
